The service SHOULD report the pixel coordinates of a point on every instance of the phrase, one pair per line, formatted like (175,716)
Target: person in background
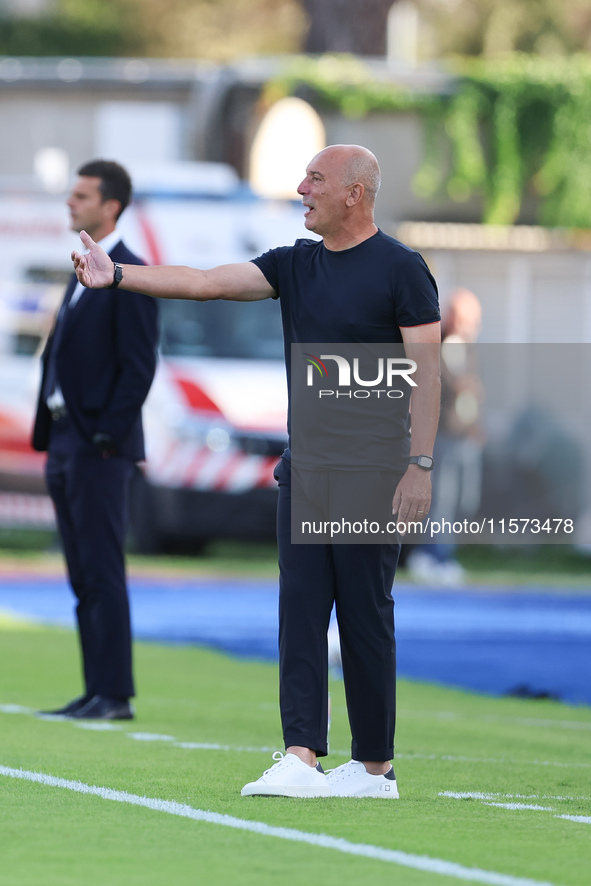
(458,446)
(97,368)
(354,285)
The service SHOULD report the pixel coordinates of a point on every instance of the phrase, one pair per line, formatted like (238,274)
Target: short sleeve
(269,263)
(416,297)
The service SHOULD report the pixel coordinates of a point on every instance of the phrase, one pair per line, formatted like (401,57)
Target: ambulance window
(183,329)
(221,329)
(255,329)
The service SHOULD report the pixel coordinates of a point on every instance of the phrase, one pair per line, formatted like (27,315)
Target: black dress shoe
(69,709)
(101,708)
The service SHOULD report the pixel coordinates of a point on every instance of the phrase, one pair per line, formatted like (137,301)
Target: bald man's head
(357,165)
(361,166)
(339,193)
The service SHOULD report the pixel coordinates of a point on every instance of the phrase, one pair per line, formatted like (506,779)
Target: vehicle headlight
(218,439)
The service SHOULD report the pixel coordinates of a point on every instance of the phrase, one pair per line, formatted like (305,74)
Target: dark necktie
(51,381)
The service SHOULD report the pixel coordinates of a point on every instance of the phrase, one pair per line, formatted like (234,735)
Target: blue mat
(527,644)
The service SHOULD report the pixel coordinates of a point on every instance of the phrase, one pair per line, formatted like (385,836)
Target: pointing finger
(87,240)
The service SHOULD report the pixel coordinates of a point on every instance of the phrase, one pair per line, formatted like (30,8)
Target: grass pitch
(484,783)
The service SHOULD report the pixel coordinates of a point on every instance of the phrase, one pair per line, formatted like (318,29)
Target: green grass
(447,741)
(560,567)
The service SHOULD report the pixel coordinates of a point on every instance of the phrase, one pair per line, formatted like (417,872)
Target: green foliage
(338,81)
(517,126)
(491,28)
(207,29)
(527,131)
(97,27)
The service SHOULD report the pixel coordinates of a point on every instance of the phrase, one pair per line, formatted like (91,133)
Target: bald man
(356,284)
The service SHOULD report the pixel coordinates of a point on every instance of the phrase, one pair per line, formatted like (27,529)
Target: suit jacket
(105,364)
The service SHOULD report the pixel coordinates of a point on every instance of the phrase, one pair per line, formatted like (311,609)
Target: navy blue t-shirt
(363,294)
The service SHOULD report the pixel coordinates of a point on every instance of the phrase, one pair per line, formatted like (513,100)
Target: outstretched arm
(236,282)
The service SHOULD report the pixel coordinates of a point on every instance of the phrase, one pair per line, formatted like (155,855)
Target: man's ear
(113,206)
(355,195)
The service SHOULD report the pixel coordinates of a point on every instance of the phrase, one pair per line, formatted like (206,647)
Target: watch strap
(117,275)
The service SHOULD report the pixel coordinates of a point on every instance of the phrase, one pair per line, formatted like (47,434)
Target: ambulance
(215,418)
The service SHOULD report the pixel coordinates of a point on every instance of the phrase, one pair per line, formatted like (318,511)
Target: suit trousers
(90,497)
(357,579)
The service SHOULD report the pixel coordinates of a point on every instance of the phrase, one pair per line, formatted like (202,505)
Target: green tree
(71,27)
(491,28)
(509,128)
(217,30)
(221,30)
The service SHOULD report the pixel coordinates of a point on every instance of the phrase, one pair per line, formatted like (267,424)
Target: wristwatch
(117,276)
(423,461)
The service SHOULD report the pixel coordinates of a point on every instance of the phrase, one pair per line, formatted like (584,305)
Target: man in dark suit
(98,366)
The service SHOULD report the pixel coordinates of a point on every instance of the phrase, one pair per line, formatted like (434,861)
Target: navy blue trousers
(90,497)
(358,579)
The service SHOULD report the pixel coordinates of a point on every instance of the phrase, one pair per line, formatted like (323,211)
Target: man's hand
(94,269)
(412,498)
(105,445)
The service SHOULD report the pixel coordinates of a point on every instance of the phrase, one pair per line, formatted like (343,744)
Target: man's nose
(302,188)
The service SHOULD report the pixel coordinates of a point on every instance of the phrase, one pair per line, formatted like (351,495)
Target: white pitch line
(144,736)
(532,806)
(206,746)
(95,726)
(468,795)
(149,736)
(15,709)
(235,749)
(480,795)
(378,853)
(487,798)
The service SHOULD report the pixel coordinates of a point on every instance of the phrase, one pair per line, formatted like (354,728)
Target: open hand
(94,269)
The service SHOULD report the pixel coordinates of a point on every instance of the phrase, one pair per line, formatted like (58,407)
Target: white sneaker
(353,780)
(289,777)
